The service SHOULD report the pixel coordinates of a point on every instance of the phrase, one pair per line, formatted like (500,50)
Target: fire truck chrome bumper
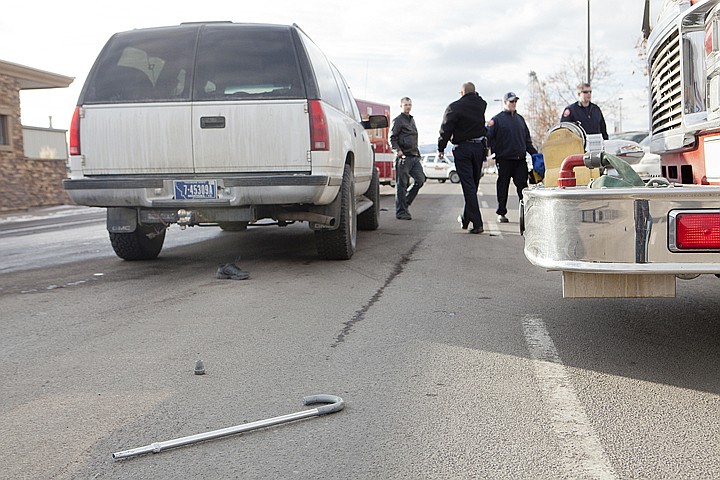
(618,231)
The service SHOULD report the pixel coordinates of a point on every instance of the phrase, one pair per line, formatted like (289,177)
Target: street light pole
(588,42)
(620,120)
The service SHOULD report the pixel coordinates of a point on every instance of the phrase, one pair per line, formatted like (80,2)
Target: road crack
(360,314)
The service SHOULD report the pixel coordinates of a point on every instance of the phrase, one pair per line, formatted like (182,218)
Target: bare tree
(564,82)
(543,111)
(548,98)
(641,62)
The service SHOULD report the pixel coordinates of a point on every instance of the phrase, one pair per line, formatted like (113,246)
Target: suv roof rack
(211,21)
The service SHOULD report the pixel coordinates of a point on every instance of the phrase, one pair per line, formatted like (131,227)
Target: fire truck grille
(665,89)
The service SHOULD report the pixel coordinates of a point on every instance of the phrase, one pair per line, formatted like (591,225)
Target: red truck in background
(384,157)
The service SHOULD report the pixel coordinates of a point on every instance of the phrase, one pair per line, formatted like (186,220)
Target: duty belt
(475,140)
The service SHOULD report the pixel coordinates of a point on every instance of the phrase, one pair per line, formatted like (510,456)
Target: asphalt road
(456,358)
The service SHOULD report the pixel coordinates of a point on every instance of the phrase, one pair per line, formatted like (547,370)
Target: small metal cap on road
(199,367)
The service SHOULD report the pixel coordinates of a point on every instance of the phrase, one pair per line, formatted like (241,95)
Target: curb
(45,212)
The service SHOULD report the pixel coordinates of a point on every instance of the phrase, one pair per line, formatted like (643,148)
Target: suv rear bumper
(232,191)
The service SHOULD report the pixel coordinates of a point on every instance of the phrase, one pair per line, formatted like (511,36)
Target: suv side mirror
(375,121)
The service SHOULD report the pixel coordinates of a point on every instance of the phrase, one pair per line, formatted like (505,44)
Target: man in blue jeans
(404,142)
(464,126)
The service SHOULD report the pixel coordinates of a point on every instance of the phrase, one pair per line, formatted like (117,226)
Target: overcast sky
(385,50)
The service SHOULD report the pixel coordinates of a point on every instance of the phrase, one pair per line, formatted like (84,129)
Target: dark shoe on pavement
(476,230)
(502,219)
(404,216)
(231,271)
(463,223)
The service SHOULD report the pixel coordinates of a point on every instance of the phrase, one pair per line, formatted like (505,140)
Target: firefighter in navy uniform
(509,139)
(585,113)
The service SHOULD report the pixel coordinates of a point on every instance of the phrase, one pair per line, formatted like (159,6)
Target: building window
(4,131)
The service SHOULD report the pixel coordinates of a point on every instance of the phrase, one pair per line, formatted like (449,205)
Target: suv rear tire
(137,245)
(339,244)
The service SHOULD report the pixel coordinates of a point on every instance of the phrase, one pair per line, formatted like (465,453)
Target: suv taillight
(75,133)
(694,230)
(318,127)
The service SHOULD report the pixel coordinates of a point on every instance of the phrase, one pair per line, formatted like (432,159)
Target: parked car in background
(649,165)
(637,155)
(628,150)
(440,169)
(634,136)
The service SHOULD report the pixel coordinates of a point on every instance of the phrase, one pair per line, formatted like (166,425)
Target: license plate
(195,189)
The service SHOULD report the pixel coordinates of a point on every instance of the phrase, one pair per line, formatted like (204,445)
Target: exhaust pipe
(306,217)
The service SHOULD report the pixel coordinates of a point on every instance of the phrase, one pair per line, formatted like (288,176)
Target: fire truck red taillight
(694,230)
(711,40)
(708,41)
(75,133)
(319,138)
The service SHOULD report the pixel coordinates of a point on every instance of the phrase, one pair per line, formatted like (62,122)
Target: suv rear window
(234,62)
(144,66)
(254,62)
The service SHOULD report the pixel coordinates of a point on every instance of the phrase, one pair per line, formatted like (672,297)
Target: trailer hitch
(336,404)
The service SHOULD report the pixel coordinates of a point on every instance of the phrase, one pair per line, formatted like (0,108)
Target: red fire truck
(384,158)
(635,240)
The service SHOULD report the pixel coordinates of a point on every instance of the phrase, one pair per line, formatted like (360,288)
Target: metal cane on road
(336,404)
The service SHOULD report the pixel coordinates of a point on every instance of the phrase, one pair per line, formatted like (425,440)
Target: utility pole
(534,100)
(536,124)
(588,42)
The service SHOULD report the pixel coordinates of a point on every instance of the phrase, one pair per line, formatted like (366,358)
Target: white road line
(489,225)
(492,227)
(583,453)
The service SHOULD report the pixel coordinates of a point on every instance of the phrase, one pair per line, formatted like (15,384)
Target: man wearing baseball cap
(509,138)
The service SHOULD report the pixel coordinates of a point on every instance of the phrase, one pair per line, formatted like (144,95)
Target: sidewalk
(45,212)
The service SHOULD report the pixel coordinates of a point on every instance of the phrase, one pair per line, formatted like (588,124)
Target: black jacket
(509,137)
(404,135)
(590,118)
(463,119)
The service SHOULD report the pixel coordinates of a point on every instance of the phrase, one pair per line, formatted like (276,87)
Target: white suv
(440,169)
(226,124)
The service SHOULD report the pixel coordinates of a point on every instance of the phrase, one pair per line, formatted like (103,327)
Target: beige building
(33,161)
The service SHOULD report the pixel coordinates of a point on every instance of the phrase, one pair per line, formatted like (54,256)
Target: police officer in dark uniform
(585,113)
(464,125)
(509,138)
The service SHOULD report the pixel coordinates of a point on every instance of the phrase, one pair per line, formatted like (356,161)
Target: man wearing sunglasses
(585,113)
(509,139)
